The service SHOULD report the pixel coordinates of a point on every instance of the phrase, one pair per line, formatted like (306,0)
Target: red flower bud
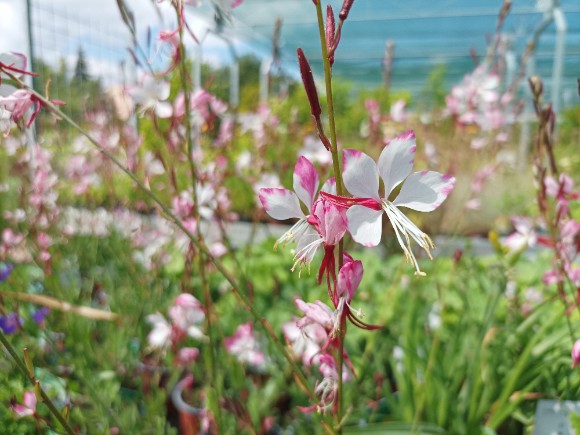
(309,86)
(346,5)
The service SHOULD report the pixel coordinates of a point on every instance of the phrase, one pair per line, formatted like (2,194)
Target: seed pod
(309,86)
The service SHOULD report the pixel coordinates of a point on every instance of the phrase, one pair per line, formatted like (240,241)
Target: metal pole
(235,84)
(30,133)
(264,78)
(557,68)
(31,53)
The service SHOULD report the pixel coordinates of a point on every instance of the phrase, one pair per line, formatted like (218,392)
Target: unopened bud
(576,354)
(536,86)
(457,254)
(330,32)
(38,391)
(346,5)
(28,362)
(309,86)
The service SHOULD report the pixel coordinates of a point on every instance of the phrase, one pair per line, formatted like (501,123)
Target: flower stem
(30,376)
(339,191)
(213,345)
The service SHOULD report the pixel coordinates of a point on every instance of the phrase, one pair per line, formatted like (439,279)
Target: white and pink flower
(245,347)
(283,204)
(421,191)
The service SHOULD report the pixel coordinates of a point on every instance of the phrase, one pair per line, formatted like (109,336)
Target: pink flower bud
(330,31)
(346,5)
(576,354)
(309,86)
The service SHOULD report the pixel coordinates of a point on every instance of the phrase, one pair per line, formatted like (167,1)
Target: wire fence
(70,47)
(423,40)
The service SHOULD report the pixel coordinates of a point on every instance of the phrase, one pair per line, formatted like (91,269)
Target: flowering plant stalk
(350,202)
(553,194)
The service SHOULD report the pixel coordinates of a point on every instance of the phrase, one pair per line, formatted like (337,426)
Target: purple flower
(5,269)
(10,323)
(39,315)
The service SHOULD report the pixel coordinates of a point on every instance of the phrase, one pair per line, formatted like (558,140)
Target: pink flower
(283,204)
(398,113)
(150,95)
(15,63)
(329,222)
(422,191)
(29,406)
(245,347)
(576,354)
(306,341)
(187,355)
(524,236)
(186,316)
(349,279)
(562,191)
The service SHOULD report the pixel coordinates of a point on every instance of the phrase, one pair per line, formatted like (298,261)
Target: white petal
(360,174)
(305,181)
(425,191)
(365,225)
(281,204)
(396,160)
(329,186)
(163,109)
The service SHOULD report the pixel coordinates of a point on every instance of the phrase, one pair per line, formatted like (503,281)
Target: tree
(81,70)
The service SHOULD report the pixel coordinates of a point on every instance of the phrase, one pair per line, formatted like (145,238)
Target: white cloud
(62,26)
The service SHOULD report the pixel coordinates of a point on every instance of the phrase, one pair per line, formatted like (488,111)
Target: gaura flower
(29,406)
(422,191)
(349,278)
(282,204)
(329,222)
(576,354)
(150,95)
(245,347)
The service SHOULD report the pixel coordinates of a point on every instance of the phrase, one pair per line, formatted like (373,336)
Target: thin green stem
(30,376)
(211,365)
(339,191)
(170,216)
(329,102)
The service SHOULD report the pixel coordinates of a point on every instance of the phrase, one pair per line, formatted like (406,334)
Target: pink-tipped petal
(396,160)
(281,204)
(360,174)
(425,191)
(331,221)
(305,181)
(349,278)
(29,400)
(365,225)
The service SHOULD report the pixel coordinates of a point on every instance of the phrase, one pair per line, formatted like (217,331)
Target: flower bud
(576,354)
(536,86)
(346,5)
(330,31)
(309,86)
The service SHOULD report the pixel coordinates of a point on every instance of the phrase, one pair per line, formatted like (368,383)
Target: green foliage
(79,92)
(433,95)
